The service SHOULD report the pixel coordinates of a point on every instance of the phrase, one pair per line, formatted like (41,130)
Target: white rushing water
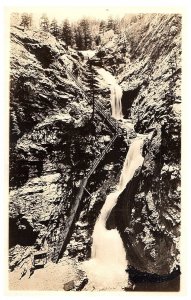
(88,54)
(106,268)
(116,93)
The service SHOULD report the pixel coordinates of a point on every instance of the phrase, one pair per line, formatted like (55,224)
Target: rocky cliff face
(53,141)
(151,81)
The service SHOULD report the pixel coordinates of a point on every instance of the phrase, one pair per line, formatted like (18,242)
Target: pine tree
(116,26)
(102,27)
(30,17)
(97,40)
(44,23)
(78,36)
(54,28)
(110,23)
(26,20)
(72,35)
(67,35)
(86,34)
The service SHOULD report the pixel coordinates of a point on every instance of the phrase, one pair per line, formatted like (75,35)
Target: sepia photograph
(94,149)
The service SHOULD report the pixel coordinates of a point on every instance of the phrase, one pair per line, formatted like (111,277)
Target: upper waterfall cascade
(116,93)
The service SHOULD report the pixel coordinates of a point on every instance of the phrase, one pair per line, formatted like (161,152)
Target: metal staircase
(66,231)
(99,108)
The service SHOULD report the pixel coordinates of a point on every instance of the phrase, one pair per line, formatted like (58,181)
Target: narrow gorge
(94,160)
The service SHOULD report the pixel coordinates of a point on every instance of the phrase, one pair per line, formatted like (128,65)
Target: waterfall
(106,268)
(116,93)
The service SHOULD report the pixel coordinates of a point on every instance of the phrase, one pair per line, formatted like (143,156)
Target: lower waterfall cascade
(106,268)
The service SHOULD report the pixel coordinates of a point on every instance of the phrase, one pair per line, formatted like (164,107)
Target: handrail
(64,235)
(95,163)
(97,105)
(105,115)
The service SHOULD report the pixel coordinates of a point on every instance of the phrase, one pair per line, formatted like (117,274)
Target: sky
(74,13)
